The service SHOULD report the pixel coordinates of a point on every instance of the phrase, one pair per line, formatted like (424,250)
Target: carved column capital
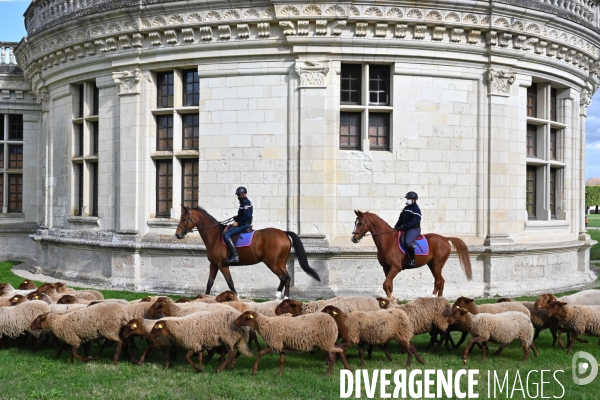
(313,73)
(42,98)
(500,81)
(585,99)
(128,81)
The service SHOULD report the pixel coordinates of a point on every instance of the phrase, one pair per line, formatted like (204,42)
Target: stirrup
(412,263)
(232,260)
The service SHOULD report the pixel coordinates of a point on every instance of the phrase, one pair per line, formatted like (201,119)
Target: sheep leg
(253,338)
(235,358)
(104,346)
(554,337)
(432,339)
(535,352)
(337,349)
(370,352)
(147,352)
(118,352)
(188,356)
(387,352)
(77,356)
(463,337)
(413,350)
(361,352)
(212,274)
(573,338)
(231,355)
(282,361)
(502,347)
(471,343)
(260,354)
(483,351)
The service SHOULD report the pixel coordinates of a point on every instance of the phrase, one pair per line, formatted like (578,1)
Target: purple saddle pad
(245,239)
(422,246)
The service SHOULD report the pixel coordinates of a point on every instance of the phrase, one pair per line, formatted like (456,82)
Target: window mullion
(365,101)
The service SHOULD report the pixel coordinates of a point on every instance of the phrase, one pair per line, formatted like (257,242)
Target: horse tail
(463,255)
(301,254)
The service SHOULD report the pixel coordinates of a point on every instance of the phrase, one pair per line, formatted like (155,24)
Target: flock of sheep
(226,325)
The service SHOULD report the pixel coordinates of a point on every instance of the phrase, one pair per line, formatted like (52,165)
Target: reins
(372,234)
(189,217)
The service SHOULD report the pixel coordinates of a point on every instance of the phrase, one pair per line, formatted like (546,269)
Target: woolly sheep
(14,321)
(143,327)
(204,298)
(299,334)
(493,308)
(501,328)
(579,320)
(229,295)
(267,308)
(199,331)
(344,303)
(12,301)
(167,307)
(374,328)
(7,290)
(80,326)
(589,297)
(72,299)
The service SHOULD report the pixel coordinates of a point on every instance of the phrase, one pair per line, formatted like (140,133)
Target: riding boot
(410,252)
(233,254)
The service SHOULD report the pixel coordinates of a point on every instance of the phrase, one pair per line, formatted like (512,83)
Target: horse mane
(203,211)
(367,214)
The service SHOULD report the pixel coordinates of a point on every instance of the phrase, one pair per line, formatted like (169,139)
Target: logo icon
(584,363)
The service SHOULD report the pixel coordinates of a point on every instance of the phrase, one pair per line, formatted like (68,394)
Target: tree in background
(592,196)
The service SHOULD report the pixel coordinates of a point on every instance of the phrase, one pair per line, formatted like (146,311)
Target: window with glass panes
(11,163)
(191,88)
(365,117)
(543,139)
(176,157)
(189,184)
(85,148)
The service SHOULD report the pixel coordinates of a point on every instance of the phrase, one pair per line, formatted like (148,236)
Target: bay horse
(269,245)
(393,261)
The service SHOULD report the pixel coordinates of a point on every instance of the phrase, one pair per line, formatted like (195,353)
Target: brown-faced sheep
(579,320)
(166,307)
(299,334)
(374,328)
(7,290)
(80,326)
(589,297)
(267,308)
(199,331)
(229,295)
(143,327)
(27,285)
(500,328)
(344,303)
(12,301)
(72,299)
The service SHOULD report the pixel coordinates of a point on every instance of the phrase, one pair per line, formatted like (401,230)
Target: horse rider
(409,221)
(243,220)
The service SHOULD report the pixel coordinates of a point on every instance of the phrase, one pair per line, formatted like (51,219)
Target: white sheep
(579,320)
(374,328)
(103,320)
(500,328)
(589,297)
(7,290)
(14,321)
(199,331)
(267,308)
(166,307)
(299,334)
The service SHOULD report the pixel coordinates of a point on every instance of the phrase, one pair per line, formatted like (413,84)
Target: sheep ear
(159,326)
(231,295)
(133,326)
(250,316)
(383,302)
(563,303)
(335,313)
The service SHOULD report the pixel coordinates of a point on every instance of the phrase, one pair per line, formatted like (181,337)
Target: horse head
(186,223)
(362,225)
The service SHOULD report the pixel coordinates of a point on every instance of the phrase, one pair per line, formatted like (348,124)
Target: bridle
(189,218)
(365,233)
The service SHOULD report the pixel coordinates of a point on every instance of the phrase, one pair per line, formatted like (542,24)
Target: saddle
(421,248)
(242,239)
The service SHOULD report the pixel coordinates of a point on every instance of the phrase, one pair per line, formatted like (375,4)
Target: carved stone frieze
(224,32)
(456,34)
(361,29)
(188,35)
(500,81)
(312,73)
(42,98)
(303,28)
(585,100)
(400,31)
(288,27)
(171,36)
(321,27)
(243,31)
(14,85)
(128,81)
(155,39)
(473,36)
(125,41)
(438,33)
(264,30)
(419,31)
(381,30)
(338,27)
(137,40)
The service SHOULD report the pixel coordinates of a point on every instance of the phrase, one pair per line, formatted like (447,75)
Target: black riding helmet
(412,196)
(240,191)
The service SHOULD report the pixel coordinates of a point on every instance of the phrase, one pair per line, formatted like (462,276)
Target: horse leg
(227,275)
(388,284)
(211,277)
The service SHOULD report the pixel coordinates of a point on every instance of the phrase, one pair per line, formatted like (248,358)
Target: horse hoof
(278,295)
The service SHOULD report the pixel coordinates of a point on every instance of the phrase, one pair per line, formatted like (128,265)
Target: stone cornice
(43,53)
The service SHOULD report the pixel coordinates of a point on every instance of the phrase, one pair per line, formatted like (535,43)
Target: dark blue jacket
(244,216)
(410,218)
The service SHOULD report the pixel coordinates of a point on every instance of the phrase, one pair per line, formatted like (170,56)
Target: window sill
(9,217)
(92,118)
(14,171)
(536,225)
(162,111)
(78,120)
(536,121)
(161,155)
(84,221)
(188,110)
(557,125)
(93,157)
(535,161)
(162,223)
(187,154)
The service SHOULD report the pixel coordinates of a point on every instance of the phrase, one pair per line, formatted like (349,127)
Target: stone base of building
(123,260)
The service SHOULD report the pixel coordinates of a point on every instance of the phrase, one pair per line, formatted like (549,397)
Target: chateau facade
(124,110)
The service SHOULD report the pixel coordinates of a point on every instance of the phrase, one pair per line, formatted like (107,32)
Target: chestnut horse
(270,246)
(392,260)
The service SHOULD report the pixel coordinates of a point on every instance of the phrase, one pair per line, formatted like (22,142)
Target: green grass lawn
(593,220)
(28,375)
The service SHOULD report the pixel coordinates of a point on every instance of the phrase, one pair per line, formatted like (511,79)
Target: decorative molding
(456,34)
(171,36)
(338,27)
(321,27)
(155,39)
(206,33)
(14,85)
(288,27)
(137,40)
(42,98)
(312,73)
(224,32)
(500,81)
(303,28)
(243,31)
(438,33)
(585,100)
(361,29)
(264,30)
(6,94)
(400,31)
(504,39)
(125,41)
(188,35)
(381,30)
(128,81)
(419,32)
(473,36)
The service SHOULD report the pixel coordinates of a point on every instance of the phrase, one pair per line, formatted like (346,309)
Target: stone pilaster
(129,86)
